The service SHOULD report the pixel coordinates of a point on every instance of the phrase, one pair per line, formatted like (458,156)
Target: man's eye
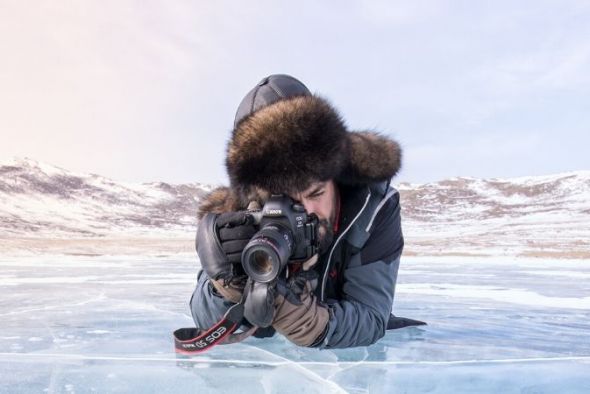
(316,194)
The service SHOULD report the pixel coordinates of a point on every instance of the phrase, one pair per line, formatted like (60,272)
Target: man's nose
(309,206)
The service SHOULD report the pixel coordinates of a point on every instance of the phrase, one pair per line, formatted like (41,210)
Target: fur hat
(285,138)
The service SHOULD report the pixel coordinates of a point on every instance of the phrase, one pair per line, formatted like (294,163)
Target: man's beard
(325,235)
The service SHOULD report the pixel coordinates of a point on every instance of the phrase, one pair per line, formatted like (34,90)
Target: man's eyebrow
(315,190)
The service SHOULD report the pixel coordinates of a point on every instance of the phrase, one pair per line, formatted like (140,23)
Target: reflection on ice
(104,324)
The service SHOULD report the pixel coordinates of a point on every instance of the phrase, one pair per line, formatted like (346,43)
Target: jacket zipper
(329,263)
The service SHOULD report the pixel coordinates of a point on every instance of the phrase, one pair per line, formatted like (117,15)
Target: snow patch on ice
(511,296)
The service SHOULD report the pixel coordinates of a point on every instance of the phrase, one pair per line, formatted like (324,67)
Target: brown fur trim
(373,158)
(223,199)
(286,146)
(217,201)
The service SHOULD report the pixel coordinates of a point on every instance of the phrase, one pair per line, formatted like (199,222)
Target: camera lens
(262,262)
(267,253)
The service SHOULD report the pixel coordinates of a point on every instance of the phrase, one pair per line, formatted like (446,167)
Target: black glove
(235,230)
(221,238)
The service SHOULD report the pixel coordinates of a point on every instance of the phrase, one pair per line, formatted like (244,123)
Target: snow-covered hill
(40,200)
(533,216)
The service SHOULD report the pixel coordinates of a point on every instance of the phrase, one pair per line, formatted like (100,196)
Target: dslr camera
(287,233)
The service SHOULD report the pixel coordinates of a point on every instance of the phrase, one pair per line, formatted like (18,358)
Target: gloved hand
(220,241)
(298,315)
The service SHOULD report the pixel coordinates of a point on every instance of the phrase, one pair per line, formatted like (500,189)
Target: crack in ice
(287,362)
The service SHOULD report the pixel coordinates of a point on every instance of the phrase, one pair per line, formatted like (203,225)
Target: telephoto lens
(268,252)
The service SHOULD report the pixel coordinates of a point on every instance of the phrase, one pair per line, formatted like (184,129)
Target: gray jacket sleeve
(207,308)
(360,317)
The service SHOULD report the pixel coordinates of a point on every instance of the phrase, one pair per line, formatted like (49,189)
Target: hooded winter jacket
(358,272)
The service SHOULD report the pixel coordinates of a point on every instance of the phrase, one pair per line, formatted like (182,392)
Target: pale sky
(147,90)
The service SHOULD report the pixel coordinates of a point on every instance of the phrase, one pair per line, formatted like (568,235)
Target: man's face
(321,198)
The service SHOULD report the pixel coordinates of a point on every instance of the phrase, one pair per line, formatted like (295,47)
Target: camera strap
(194,340)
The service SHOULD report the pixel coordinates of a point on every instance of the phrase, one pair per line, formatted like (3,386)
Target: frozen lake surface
(104,324)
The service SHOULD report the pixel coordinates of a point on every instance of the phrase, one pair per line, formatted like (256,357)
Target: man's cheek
(325,236)
(321,231)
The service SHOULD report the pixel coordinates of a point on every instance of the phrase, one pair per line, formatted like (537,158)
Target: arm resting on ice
(360,319)
(207,307)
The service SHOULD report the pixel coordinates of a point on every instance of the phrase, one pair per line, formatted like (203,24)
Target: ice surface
(104,324)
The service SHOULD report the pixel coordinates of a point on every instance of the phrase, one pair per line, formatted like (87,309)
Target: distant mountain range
(541,216)
(41,200)
(545,216)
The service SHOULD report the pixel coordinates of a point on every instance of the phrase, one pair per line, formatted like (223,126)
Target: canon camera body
(287,233)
